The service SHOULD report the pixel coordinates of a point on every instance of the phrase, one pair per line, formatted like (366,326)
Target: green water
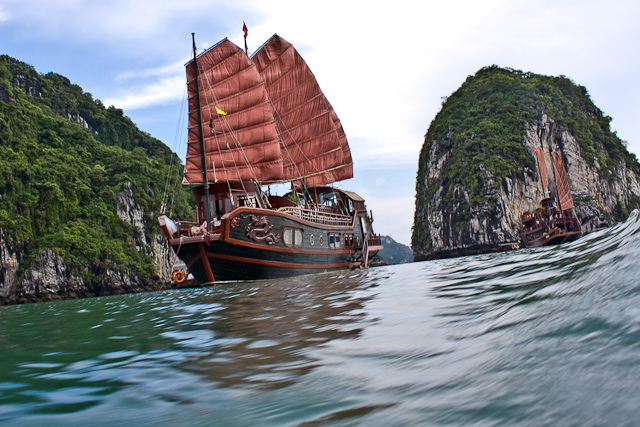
(534,337)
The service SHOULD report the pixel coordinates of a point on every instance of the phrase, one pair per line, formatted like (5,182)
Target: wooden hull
(549,226)
(553,237)
(253,244)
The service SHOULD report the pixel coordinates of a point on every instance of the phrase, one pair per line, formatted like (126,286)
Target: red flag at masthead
(246,32)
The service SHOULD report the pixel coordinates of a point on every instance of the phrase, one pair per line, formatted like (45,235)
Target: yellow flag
(219,111)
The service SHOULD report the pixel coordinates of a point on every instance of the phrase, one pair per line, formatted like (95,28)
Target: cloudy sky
(384,66)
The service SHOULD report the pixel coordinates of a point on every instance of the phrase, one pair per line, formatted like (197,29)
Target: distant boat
(555,221)
(507,246)
(254,122)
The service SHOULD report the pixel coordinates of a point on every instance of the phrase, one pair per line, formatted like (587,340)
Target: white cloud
(4,15)
(158,93)
(174,69)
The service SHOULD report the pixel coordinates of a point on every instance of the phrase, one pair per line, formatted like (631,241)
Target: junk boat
(555,220)
(257,121)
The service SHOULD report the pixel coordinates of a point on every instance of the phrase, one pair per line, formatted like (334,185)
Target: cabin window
(292,237)
(328,199)
(335,241)
(348,240)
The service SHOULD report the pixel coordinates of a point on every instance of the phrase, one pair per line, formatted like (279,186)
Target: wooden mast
(204,153)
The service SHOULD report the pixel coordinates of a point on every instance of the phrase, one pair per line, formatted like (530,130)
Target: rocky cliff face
(452,224)
(10,258)
(497,219)
(156,246)
(48,277)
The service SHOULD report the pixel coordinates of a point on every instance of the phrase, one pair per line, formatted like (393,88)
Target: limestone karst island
(479,170)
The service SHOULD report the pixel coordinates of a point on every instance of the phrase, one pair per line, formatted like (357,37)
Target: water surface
(532,337)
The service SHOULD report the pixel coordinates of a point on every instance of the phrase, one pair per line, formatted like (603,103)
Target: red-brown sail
(243,143)
(314,145)
(562,184)
(544,175)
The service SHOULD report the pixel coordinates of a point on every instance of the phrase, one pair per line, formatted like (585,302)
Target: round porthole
(311,240)
(321,240)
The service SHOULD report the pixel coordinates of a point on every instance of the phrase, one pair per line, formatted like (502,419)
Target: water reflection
(263,332)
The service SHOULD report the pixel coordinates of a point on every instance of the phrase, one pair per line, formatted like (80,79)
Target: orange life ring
(178,276)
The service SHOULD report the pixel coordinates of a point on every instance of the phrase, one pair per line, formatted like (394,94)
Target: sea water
(549,336)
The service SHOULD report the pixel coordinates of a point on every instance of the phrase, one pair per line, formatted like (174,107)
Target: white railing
(316,216)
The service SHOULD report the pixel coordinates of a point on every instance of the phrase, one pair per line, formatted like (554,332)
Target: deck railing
(320,216)
(374,240)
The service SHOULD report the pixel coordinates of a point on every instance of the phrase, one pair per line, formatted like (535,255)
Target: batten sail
(562,184)
(314,145)
(542,167)
(241,141)
(263,118)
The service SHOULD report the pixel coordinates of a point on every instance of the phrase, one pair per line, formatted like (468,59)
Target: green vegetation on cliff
(59,179)
(482,126)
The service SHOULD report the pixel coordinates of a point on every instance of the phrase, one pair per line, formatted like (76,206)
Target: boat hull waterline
(250,244)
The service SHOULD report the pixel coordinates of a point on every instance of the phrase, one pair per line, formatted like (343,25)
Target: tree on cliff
(477,171)
(63,159)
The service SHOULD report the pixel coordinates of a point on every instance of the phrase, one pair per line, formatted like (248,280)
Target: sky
(384,66)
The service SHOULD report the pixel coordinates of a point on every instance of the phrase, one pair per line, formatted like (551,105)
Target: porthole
(311,240)
(321,240)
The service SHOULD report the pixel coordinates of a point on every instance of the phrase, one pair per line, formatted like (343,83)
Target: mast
(204,153)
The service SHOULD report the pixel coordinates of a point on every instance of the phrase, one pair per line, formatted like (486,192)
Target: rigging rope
(178,148)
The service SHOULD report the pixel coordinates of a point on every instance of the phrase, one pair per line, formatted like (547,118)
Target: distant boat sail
(256,121)
(542,167)
(562,184)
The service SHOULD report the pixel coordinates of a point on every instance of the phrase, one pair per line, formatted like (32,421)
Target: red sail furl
(542,167)
(314,145)
(562,184)
(245,145)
